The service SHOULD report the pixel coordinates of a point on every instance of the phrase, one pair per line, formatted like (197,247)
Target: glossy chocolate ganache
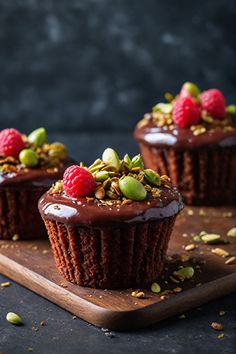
(67,210)
(154,130)
(124,192)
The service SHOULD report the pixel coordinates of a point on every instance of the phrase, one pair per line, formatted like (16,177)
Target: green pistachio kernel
(38,137)
(155,288)
(169,97)
(13,318)
(111,158)
(192,89)
(165,108)
(101,176)
(137,161)
(127,160)
(231,109)
(57,150)
(210,238)
(185,272)
(28,157)
(152,177)
(132,189)
(232,232)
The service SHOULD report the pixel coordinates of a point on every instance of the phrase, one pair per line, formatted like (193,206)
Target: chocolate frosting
(184,138)
(61,208)
(34,177)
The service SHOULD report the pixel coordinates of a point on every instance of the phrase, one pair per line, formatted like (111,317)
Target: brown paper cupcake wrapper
(204,176)
(110,257)
(19,214)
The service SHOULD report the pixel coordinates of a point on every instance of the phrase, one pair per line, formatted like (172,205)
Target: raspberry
(78,182)
(186,112)
(213,102)
(11,142)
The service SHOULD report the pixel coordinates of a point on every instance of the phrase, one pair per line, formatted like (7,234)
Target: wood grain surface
(31,264)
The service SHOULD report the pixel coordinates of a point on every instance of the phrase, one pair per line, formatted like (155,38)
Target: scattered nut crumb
(6,284)
(15,237)
(222,313)
(190,212)
(217,326)
(138,294)
(190,247)
(230,260)
(221,335)
(220,252)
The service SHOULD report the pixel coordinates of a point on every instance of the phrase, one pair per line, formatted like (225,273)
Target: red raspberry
(11,142)
(78,182)
(186,112)
(213,102)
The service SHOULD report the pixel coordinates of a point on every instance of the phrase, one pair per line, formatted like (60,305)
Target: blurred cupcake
(28,166)
(109,224)
(192,139)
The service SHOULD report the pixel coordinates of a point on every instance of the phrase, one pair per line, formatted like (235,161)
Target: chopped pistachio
(185,273)
(152,177)
(5,284)
(211,238)
(155,288)
(217,326)
(190,247)
(138,294)
(13,318)
(232,232)
(163,108)
(230,260)
(220,252)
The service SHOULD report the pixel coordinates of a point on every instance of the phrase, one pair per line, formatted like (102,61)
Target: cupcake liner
(205,176)
(19,214)
(110,257)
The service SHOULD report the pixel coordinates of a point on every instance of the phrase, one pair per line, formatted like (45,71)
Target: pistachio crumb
(5,284)
(190,212)
(220,252)
(222,313)
(182,317)
(221,336)
(190,247)
(155,288)
(138,294)
(15,237)
(232,232)
(230,260)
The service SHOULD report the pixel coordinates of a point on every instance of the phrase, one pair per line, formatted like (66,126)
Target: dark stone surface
(63,334)
(86,65)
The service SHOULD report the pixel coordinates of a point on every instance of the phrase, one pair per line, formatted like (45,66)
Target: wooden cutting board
(31,264)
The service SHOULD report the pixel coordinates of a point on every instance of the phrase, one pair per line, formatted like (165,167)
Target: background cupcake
(192,139)
(28,166)
(109,224)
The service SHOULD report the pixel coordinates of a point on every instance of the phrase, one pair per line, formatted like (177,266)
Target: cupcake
(192,139)
(109,224)
(28,167)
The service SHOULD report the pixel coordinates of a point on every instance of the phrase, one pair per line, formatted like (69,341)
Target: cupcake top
(189,120)
(110,190)
(30,158)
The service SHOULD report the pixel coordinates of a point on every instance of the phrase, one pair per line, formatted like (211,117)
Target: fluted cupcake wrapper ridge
(110,257)
(204,176)
(19,213)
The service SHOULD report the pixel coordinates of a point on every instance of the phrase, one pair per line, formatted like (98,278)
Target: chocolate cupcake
(192,139)
(109,224)
(28,167)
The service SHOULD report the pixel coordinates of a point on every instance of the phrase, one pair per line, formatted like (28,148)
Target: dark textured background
(95,65)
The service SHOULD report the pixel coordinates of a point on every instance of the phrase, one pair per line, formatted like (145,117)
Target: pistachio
(230,260)
(13,318)
(111,158)
(57,150)
(220,252)
(132,189)
(28,157)
(190,247)
(100,193)
(197,238)
(155,288)
(231,109)
(95,167)
(127,160)
(152,177)
(165,108)
(169,97)
(185,273)
(232,232)
(137,161)
(101,176)
(137,293)
(38,137)
(210,238)
(191,88)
